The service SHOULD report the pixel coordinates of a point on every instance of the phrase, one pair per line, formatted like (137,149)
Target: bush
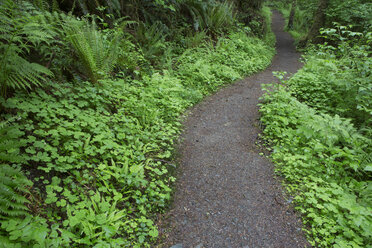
(209,67)
(326,164)
(336,79)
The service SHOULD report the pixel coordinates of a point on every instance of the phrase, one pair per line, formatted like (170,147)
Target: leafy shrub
(346,12)
(336,80)
(209,67)
(326,164)
(354,12)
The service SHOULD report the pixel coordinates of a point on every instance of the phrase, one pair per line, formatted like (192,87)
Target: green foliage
(15,191)
(219,17)
(326,164)
(13,184)
(152,40)
(346,12)
(354,12)
(336,79)
(97,51)
(268,35)
(19,33)
(209,67)
(319,125)
(99,152)
(76,131)
(195,39)
(97,155)
(213,17)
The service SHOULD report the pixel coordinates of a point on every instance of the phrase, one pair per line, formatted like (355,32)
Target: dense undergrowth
(318,124)
(85,155)
(347,12)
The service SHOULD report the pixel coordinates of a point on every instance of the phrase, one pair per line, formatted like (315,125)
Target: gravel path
(226,194)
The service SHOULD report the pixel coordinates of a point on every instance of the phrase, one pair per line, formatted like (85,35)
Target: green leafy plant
(211,17)
(152,40)
(13,185)
(220,17)
(325,164)
(97,52)
(20,32)
(97,156)
(13,182)
(336,79)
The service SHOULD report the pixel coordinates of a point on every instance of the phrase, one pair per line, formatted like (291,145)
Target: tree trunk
(319,21)
(291,15)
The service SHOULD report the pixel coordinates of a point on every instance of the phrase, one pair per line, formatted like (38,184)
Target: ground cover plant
(86,146)
(326,165)
(318,125)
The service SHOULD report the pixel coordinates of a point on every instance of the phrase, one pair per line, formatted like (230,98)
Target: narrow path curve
(226,192)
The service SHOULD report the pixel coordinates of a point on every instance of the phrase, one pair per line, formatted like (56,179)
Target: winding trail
(226,192)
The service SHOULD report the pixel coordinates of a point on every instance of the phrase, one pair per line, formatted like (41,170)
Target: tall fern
(213,17)
(19,32)
(97,52)
(220,17)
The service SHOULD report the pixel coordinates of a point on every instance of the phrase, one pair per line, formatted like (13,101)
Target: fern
(198,11)
(97,53)
(19,32)
(220,17)
(213,17)
(151,39)
(13,184)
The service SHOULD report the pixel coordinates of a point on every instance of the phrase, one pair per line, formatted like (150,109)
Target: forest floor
(227,194)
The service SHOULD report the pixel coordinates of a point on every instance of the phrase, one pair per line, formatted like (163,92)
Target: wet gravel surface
(226,194)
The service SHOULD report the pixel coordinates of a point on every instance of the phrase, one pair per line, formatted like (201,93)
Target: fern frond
(21,30)
(7,243)
(18,73)
(12,185)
